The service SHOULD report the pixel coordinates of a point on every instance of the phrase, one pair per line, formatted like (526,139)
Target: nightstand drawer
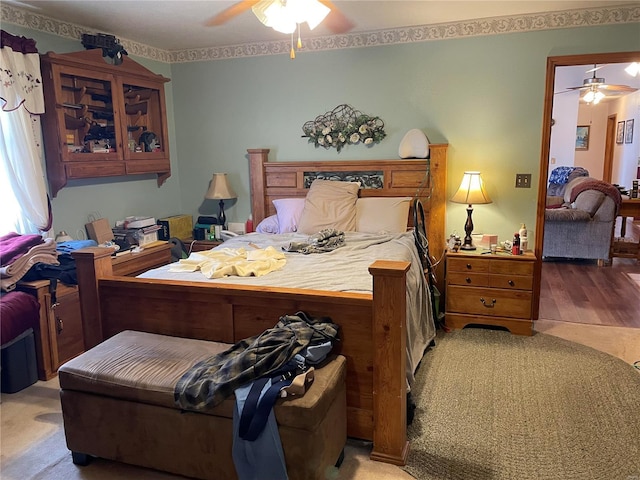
(516,282)
(467,278)
(490,302)
(513,267)
(467,264)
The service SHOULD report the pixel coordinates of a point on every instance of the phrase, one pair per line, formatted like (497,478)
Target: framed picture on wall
(620,132)
(628,132)
(582,137)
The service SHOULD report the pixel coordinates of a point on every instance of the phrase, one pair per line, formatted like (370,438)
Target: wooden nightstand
(490,289)
(201,245)
(60,335)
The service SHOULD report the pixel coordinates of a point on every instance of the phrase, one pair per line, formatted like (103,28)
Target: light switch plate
(523,180)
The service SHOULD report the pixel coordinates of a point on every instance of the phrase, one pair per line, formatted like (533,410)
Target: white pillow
(268,225)
(382,214)
(289,211)
(329,204)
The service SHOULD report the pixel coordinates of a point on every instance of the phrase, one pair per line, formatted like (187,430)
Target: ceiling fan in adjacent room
(286,16)
(595,88)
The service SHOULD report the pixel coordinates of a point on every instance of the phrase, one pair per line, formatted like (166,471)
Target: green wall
(482,95)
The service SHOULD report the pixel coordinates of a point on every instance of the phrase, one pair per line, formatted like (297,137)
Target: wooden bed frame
(372,326)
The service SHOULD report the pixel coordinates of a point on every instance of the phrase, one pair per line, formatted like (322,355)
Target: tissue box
(487,240)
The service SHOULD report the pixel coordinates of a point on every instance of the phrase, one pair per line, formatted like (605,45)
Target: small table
(490,289)
(200,245)
(630,207)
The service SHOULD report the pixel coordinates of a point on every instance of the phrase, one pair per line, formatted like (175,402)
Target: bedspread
(345,269)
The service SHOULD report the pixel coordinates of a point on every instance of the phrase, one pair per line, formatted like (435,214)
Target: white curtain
(23,192)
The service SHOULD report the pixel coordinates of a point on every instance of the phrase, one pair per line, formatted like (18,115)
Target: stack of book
(136,231)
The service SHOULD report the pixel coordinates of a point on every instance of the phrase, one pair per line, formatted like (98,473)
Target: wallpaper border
(423,33)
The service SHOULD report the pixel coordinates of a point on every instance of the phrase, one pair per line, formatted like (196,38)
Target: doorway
(610,171)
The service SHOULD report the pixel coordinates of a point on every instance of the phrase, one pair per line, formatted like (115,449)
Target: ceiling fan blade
(617,88)
(594,69)
(231,12)
(336,21)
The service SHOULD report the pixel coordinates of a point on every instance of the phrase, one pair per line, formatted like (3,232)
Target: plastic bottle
(524,242)
(248,226)
(523,231)
(515,248)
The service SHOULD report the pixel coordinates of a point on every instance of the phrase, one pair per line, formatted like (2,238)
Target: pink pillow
(288,211)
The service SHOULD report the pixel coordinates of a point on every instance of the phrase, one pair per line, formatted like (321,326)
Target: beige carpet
(492,405)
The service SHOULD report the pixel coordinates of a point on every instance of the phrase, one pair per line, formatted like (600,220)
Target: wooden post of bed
(390,444)
(257,158)
(92,264)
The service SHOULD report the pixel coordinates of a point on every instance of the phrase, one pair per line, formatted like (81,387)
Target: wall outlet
(523,180)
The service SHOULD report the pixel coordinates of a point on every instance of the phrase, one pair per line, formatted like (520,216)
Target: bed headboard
(381,178)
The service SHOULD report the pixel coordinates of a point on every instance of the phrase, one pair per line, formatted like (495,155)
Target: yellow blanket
(226,262)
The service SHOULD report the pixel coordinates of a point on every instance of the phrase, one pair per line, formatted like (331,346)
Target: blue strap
(257,408)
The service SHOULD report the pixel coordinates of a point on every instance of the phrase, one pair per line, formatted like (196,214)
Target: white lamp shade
(471,190)
(219,188)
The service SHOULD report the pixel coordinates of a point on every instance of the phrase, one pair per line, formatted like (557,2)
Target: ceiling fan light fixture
(633,69)
(284,15)
(593,96)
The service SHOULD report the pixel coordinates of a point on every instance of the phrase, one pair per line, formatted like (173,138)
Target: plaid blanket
(209,382)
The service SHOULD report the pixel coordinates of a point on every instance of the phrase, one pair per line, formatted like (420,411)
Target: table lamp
(220,189)
(471,191)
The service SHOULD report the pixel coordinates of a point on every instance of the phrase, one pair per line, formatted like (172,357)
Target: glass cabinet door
(91,129)
(145,115)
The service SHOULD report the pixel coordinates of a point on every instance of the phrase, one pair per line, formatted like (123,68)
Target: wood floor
(581,292)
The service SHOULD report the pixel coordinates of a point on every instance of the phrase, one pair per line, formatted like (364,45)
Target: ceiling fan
(286,16)
(595,88)
(335,20)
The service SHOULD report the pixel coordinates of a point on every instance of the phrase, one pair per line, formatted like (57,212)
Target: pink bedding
(19,311)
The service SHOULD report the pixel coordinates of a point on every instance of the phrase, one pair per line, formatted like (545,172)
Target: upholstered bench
(118,404)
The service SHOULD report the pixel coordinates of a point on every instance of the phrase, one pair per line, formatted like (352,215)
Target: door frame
(609,143)
(552,63)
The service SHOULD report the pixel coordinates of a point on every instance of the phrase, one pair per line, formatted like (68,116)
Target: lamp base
(467,244)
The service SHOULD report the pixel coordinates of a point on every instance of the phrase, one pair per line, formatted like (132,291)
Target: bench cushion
(145,367)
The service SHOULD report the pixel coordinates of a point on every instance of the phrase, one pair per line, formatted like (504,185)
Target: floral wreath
(344,125)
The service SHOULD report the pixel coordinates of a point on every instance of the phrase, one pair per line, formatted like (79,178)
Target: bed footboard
(372,330)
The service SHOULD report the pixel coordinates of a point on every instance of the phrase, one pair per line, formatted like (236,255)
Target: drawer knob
(488,305)
(468,280)
(511,283)
(59,325)
(468,266)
